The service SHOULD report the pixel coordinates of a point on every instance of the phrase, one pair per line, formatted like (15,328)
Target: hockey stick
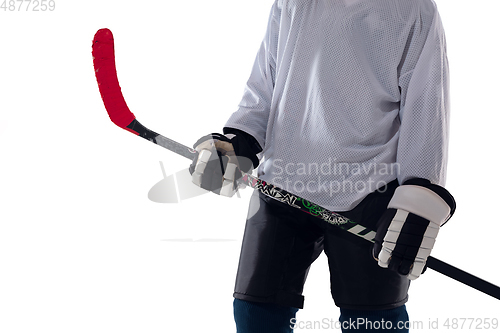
(119,113)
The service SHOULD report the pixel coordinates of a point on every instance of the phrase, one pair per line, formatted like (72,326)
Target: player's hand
(407,231)
(219,162)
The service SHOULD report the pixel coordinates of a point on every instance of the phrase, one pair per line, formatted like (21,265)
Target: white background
(83,249)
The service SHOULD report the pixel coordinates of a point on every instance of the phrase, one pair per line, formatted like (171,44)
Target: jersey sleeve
(424,111)
(253,111)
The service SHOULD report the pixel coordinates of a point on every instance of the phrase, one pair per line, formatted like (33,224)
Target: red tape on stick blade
(103,51)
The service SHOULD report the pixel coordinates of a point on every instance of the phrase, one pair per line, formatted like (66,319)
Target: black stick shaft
(160,140)
(322,213)
(464,277)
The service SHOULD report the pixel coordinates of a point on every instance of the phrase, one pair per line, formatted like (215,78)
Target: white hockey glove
(407,231)
(220,158)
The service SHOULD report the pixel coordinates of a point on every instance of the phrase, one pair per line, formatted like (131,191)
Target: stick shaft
(176,147)
(320,212)
(262,186)
(324,214)
(464,277)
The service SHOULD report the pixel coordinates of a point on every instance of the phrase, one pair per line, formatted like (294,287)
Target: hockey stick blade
(103,52)
(119,113)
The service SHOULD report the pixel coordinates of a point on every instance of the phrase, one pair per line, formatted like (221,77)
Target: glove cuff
(244,145)
(423,201)
(439,190)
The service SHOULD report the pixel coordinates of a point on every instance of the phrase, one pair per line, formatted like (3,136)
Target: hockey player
(346,106)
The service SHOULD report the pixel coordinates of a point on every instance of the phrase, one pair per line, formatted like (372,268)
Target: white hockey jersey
(348,95)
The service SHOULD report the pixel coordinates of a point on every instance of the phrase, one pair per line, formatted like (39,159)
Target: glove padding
(219,162)
(407,231)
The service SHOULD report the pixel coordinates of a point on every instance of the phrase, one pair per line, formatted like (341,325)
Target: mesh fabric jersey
(347,95)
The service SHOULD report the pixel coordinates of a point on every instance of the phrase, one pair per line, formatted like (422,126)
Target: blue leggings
(253,317)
